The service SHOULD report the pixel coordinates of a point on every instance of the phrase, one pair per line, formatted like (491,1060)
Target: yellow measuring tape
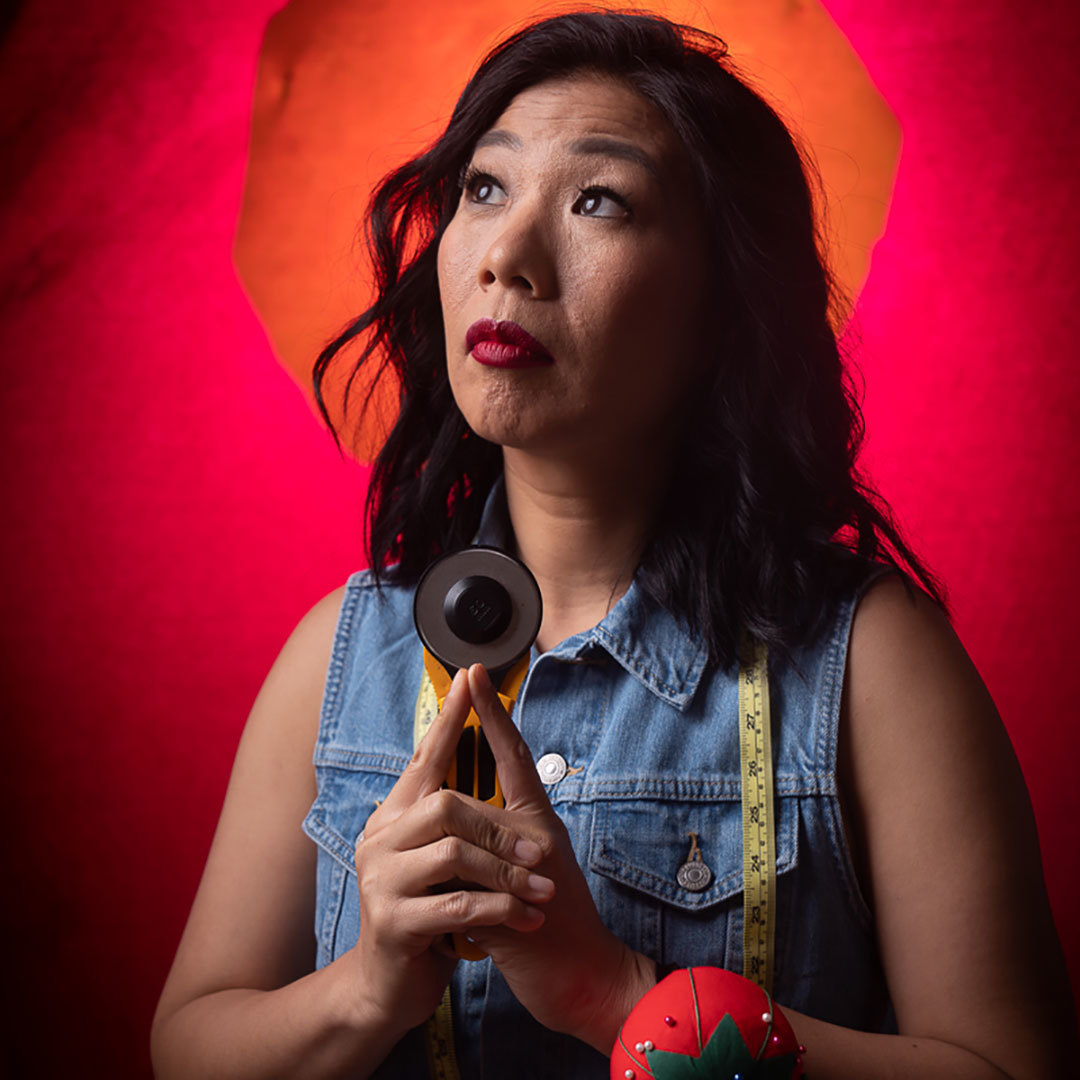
(439,1037)
(759,839)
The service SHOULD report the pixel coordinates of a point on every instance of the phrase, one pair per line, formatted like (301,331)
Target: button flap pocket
(346,799)
(643,844)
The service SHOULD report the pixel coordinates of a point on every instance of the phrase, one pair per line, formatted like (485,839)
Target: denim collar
(641,636)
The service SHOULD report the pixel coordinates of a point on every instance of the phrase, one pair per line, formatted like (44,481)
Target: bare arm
(943,829)
(241,999)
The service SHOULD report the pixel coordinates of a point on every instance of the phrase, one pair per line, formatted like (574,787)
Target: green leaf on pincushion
(723,1055)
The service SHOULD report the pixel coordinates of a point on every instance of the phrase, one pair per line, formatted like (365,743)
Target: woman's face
(578,225)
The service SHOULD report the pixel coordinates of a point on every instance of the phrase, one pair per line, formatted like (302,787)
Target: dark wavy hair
(765,514)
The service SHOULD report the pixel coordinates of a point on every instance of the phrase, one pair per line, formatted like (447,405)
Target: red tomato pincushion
(706,1023)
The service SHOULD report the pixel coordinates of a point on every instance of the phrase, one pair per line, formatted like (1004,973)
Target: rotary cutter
(477,606)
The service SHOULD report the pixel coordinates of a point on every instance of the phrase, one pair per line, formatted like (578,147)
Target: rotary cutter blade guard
(477,606)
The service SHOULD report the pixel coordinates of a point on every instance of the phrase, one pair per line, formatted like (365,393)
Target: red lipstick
(505,344)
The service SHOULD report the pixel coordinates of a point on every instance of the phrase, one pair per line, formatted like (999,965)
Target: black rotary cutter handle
(477,609)
(473,769)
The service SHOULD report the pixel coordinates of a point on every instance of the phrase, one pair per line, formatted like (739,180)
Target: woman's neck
(581,531)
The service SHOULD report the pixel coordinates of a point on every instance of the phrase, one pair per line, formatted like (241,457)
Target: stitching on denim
(336,757)
(829,702)
(336,910)
(674,696)
(322,922)
(322,904)
(678,789)
(835,669)
(831,810)
(604,861)
(332,842)
(523,692)
(335,681)
(841,858)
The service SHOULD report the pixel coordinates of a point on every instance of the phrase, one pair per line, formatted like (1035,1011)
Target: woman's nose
(520,257)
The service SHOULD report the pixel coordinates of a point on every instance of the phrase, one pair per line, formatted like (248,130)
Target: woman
(602,293)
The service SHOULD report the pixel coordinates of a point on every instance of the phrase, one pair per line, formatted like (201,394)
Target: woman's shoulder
(364,605)
(902,640)
(308,648)
(300,668)
(910,683)
(360,616)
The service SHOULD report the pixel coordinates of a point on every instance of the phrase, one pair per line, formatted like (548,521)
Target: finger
(455,859)
(458,912)
(427,769)
(443,944)
(521,784)
(490,938)
(446,813)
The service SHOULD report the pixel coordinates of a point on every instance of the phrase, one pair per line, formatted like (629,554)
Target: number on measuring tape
(759,842)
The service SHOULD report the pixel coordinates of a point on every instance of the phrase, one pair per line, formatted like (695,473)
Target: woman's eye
(484,189)
(601,202)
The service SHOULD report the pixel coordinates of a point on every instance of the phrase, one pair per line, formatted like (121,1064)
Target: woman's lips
(505,344)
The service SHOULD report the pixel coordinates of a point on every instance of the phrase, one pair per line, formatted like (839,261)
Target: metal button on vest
(694,876)
(552,768)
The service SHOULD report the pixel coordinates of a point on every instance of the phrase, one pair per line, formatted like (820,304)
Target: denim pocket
(347,798)
(636,851)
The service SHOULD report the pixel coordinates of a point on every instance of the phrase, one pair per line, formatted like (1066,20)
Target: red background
(172,508)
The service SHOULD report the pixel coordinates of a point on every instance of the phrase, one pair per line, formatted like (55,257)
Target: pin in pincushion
(706,1023)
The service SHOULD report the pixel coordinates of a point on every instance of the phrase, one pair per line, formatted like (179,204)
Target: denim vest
(647,730)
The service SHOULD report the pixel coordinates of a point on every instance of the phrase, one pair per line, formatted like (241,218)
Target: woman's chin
(511,424)
(535,423)
(507,435)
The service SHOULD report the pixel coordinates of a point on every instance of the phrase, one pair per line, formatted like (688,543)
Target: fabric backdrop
(172,507)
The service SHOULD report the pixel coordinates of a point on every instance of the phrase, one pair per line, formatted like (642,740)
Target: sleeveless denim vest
(648,731)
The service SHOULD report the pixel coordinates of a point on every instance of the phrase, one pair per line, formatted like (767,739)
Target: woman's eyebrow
(499,137)
(605,146)
(589,145)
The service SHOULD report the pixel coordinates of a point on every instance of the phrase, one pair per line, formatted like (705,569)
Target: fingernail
(541,887)
(534,912)
(459,677)
(527,852)
(481,675)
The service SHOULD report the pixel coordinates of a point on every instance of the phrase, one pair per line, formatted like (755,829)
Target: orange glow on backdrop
(348,91)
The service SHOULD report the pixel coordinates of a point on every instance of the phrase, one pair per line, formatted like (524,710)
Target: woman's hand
(420,839)
(572,973)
